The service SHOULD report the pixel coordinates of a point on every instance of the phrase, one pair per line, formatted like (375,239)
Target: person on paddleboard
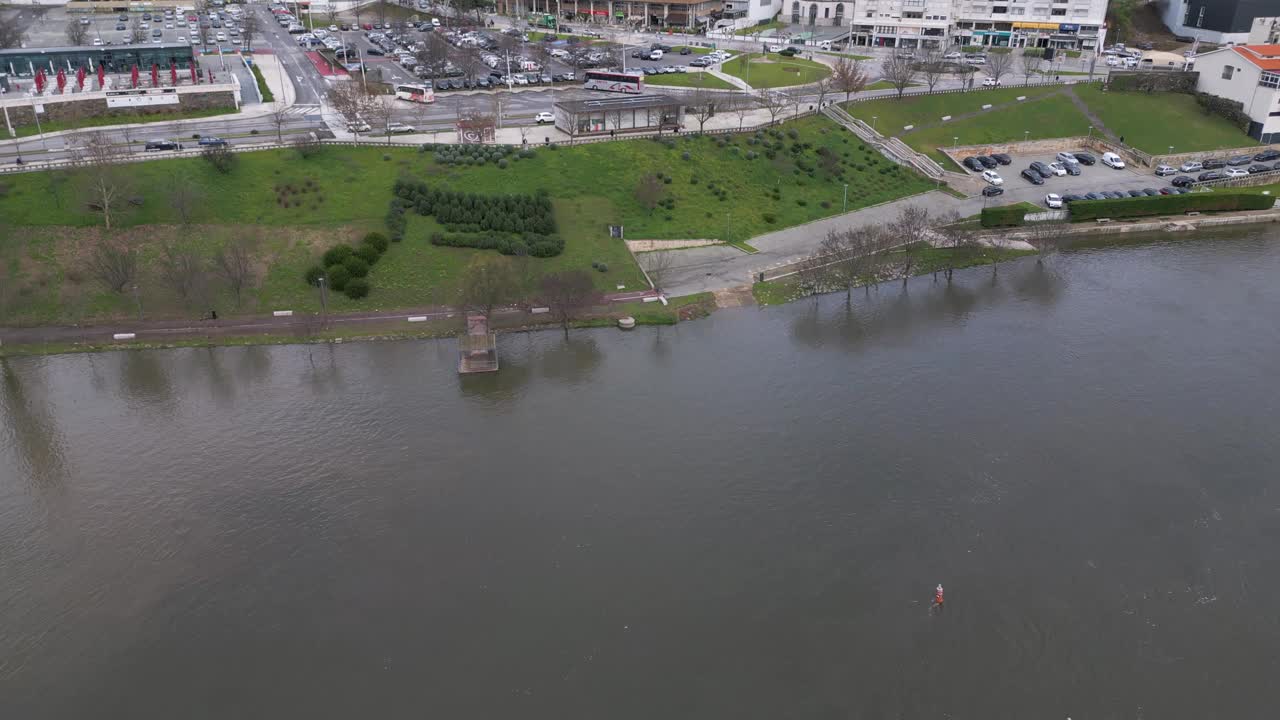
(937,597)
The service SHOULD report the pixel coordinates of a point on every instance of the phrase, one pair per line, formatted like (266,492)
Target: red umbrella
(133,76)
(194,78)
(40,81)
(155,75)
(80,77)
(62,80)
(173,74)
(102,77)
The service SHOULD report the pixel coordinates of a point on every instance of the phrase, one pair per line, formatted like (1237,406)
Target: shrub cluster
(345,268)
(475,154)
(510,224)
(542,246)
(1169,204)
(1003,216)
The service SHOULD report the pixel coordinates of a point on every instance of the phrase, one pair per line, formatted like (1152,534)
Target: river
(740,517)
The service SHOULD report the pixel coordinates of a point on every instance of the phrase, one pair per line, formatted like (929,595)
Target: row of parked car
(1054,200)
(498,80)
(1219,169)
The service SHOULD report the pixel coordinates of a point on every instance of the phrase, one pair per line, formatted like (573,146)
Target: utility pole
(324,304)
(137,299)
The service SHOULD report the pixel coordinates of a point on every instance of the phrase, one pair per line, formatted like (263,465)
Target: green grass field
(886,85)
(104,120)
(1045,118)
(689,80)
(1154,121)
(893,114)
(754,29)
(47,235)
(775,70)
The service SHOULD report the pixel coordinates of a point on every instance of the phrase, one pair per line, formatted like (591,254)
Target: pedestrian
(1121,139)
(1057,78)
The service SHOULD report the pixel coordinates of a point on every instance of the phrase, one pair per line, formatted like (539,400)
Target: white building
(1249,74)
(1065,24)
(1265,31)
(746,13)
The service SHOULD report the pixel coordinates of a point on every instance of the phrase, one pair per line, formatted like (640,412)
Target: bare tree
(741,104)
(306,144)
(701,105)
(848,76)
(181,269)
(220,157)
(1030,65)
(332,13)
(955,239)
(184,196)
(657,265)
(898,71)
(793,97)
(1047,237)
(12,30)
(998,65)
(849,255)
(234,263)
(279,117)
(910,229)
(76,32)
(380,111)
(487,283)
(250,26)
(569,294)
(649,192)
(381,11)
(137,35)
(114,264)
(435,55)
(811,274)
(772,102)
(932,67)
(823,89)
(965,72)
(350,101)
(105,181)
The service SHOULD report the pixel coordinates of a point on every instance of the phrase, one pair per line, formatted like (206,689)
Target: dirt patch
(734,297)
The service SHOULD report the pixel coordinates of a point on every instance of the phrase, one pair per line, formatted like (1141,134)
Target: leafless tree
(381,111)
(932,67)
(77,33)
(772,102)
(849,255)
(898,71)
(381,11)
(137,35)
(793,97)
(811,274)
(114,264)
(12,31)
(657,265)
(105,181)
(823,89)
(910,229)
(487,283)
(569,294)
(701,105)
(184,196)
(279,117)
(250,26)
(181,269)
(306,144)
(234,263)
(998,65)
(332,13)
(956,239)
(649,192)
(965,73)
(1047,237)
(741,104)
(220,157)
(848,76)
(1030,65)
(435,55)
(350,101)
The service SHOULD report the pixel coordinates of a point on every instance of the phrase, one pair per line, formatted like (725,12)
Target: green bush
(1003,216)
(313,275)
(336,254)
(367,253)
(357,267)
(1082,210)
(338,276)
(357,288)
(377,240)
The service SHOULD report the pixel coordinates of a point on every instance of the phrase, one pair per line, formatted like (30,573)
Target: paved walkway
(1094,120)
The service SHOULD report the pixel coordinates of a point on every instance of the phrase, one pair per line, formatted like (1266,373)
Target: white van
(435,22)
(655,54)
(824,44)
(1112,160)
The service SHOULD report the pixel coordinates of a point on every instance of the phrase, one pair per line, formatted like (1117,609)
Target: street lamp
(1090,132)
(954,141)
(873,122)
(1025,134)
(846,197)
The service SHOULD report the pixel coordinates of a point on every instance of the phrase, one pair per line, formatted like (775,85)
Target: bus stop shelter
(622,113)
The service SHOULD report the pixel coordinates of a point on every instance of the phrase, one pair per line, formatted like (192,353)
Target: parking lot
(48,27)
(1092,178)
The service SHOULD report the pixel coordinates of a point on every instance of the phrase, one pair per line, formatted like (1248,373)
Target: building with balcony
(1062,24)
(878,23)
(1250,75)
(1217,21)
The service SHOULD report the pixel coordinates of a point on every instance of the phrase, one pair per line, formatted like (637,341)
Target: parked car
(1150,192)
(1067,158)
(1072,168)
(1058,168)
(1032,176)
(1182,181)
(987,162)
(991,82)
(1234,172)
(1192,166)
(1134,193)
(163,145)
(1043,169)
(1211,175)
(686,50)
(1167,191)
(1267,156)
(992,177)
(1162,170)
(1093,196)
(1085,158)
(1258,168)
(992,191)
(544,117)
(1213,163)
(1182,190)
(1002,158)
(1053,201)
(211,141)
(1071,198)
(1240,160)
(1112,160)
(972,163)
(399,128)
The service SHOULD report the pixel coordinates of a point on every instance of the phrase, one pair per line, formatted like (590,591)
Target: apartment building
(1217,21)
(878,23)
(1062,24)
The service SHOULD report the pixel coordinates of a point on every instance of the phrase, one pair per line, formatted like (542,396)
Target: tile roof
(1266,57)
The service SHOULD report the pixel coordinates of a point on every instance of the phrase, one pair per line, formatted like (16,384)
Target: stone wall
(1047,146)
(74,108)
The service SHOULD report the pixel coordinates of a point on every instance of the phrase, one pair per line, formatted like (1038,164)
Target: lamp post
(846,197)
(137,299)
(873,122)
(324,305)
(1090,132)
(954,142)
(1025,135)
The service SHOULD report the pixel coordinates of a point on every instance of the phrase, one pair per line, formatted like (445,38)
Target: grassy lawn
(848,55)
(893,114)
(775,70)
(100,121)
(264,92)
(689,79)
(1045,118)
(1154,121)
(886,85)
(754,29)
(46,236)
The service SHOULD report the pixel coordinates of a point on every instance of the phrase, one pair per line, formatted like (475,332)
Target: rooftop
(620,102)
(1266,57)
(95,48)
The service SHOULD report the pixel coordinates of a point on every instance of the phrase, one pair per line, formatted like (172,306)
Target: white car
(97,41)
(993,177)
(776,48)
(520,79)
(396,127)
(952,56)
(1192,166)
(333,28)
(182,38)
(991,82)
(168,26)
(221,37)
(544,117)
(360,126)
(1237,172)
(1068,158)
(1113,160)
(1053,201)
(1057,168)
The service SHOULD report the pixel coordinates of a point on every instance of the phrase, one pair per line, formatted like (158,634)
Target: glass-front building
(24,62)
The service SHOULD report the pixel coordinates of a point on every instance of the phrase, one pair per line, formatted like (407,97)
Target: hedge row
(1003,215)
(1168,205)
(508,244)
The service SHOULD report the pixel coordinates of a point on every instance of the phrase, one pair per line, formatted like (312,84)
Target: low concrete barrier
(418,318)
(123,336)
(283,313)
(946,118)
(986,107)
